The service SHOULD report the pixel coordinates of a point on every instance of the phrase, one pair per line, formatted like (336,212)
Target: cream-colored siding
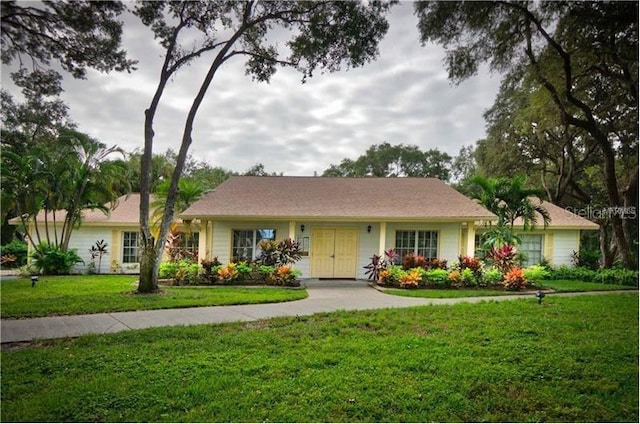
(565,242)
(81,241)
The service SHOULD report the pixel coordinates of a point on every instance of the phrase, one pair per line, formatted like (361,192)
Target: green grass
(68,295)
(567,360)
(560,286)
(581,286)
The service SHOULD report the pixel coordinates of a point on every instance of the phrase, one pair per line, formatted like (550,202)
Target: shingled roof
(560,218)
(336,198)
(126,210)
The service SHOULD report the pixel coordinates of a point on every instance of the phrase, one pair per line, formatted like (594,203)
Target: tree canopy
(321,36)
(76,34)
(575,67)
(385,160)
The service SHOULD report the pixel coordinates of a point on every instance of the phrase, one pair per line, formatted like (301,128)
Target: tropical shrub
(438,277)
(536,273)
(266,271)
(564,272)
(468,278)
(187,272)
(210,269)
(244,269)
(455,279)
(411,260)
(98,250)
(436,263)
(374,267)
(285,252)
(504,258)
(391,276)
(624,277)
(515,279)
(14,254)
(492,276)
(410,279)
(228,273)
(52,260)
(392,256)
(167,270)
(285,275)
(473,264)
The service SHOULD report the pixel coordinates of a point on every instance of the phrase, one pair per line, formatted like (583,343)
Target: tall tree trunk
(148,282)
(605,254)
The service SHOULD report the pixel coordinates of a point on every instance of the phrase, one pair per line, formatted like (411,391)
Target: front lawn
(560,286)
(567,360)
(69,295)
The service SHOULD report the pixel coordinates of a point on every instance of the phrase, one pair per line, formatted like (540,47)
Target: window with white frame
(246,242)
(130,247)
(531,249)
(421,243)
(190,241)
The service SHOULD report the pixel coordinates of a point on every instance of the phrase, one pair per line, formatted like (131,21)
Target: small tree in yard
(323,35)
(98,250)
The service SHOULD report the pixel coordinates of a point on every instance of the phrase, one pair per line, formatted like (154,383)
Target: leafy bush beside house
(48,259)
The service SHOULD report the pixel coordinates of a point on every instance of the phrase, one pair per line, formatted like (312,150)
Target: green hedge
(618,276)
(16,249)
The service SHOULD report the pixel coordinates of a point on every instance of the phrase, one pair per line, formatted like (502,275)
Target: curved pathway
(324,296)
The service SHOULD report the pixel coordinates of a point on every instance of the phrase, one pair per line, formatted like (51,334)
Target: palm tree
(69,174)
(188,192)
(95,180)
(509,199)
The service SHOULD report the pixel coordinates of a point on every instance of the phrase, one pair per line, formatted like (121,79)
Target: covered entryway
(334,252)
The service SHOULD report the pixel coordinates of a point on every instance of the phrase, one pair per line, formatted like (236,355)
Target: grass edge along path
(571,359)
(557,286)
(77,295)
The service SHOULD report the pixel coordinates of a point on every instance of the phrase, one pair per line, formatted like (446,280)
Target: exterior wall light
(368,228)
(302,228)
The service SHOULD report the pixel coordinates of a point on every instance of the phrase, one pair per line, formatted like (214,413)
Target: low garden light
(34,280)
(540,295)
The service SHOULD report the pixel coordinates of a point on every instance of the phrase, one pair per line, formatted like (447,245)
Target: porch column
(292,230)
(202,240)
(471,239)
(383,238)
(208,248)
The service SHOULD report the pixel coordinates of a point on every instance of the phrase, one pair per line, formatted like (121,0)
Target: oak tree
(322,36)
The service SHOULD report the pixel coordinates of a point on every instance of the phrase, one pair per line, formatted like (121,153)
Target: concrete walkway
(324,296)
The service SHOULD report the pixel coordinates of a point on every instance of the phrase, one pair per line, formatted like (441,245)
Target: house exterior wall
(449,238)
(81,241)
(565,242)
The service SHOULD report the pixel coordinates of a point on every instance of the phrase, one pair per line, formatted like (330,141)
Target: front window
(130,247)
(531,249)
(421,243)
(190,242)
(246,242)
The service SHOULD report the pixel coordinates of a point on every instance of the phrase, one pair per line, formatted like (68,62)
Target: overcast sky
(298,129)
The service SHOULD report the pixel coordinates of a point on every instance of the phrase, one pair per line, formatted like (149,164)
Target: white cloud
(403,97)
